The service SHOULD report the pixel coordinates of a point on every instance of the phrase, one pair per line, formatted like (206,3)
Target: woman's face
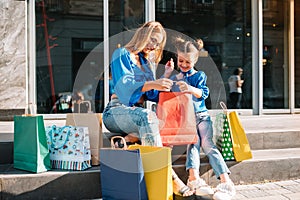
(153,43)
(184,61)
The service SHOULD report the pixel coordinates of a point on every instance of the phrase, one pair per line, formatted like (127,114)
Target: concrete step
(263,132)
(266,165)
(17,184)
(257,140)
(271,165)
(274,139)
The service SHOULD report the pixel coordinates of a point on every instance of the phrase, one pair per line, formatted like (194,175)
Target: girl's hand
(169,67)
(184,87)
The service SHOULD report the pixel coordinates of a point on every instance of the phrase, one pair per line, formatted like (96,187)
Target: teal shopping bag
(31,151)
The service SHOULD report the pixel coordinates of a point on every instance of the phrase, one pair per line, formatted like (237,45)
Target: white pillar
(257,56)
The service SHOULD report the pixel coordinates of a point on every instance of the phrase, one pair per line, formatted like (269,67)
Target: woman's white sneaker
(224,191)
(200,187)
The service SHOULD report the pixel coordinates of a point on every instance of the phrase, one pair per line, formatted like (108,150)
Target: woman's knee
(149,117)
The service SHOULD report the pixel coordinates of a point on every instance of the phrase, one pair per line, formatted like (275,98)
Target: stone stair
(275,145)
(274,140)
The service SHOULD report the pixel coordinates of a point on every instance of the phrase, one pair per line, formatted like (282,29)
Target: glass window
(297,54)
(125,15)
(225,28)
(68,62)
(275,55)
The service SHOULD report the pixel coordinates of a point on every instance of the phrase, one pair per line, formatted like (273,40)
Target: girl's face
(185,61)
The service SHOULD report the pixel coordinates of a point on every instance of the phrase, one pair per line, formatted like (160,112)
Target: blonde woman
(134,83)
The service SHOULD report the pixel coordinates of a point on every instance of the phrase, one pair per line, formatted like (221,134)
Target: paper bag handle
(52,131)
(223,106)
(120,137)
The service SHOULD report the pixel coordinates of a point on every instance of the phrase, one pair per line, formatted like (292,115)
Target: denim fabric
(120,118)
(197,80)
(205,133)
(128,78)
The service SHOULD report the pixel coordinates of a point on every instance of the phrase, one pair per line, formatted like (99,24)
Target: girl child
(192,81)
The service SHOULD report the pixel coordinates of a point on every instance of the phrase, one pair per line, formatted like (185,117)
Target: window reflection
(275,66)
(67,60)
(297,54)
(69,51)
(225,28)
(125,15)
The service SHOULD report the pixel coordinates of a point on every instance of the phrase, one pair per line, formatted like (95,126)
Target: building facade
(54,52)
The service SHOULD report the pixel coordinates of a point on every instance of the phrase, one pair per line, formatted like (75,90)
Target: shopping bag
(30,144)
(158,171)
(241,147)
(69,147)
(82,107)
(122,174)
(224,142)
(177,121)
(93,122)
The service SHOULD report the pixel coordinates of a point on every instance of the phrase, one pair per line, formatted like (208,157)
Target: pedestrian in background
(235,88)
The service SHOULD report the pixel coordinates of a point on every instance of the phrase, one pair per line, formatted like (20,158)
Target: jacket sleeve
(201,84)
(126,87)
(152,95)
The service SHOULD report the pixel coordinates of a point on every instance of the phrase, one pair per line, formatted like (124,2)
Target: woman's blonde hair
(190,47)
(142,37)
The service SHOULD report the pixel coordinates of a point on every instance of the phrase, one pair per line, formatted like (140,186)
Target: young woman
(235,83)
(134,83)
(194,82)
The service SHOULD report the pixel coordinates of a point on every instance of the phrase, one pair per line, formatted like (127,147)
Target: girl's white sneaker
(224,191)
(200,187)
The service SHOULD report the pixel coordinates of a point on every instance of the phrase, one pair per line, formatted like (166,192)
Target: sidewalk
(282,190)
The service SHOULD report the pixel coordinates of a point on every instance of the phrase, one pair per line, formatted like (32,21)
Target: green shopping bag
(224,141)
(31,151)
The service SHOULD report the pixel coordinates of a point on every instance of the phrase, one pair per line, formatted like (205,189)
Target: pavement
(281,190)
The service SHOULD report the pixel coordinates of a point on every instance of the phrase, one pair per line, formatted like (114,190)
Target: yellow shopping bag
(241,147)
(158,171)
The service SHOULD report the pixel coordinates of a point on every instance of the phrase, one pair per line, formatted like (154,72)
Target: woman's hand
(163,84)
(169,67)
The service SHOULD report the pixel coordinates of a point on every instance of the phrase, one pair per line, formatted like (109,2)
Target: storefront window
(69,51)
(225,28)
(275,55)
(125,15)
(297,54)
(67,33)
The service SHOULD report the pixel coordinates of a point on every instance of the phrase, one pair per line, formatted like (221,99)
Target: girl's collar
(191,71)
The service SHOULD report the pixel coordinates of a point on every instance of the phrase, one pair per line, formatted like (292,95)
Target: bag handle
(60,131)
(118,137)
(224,107)
(87,102)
